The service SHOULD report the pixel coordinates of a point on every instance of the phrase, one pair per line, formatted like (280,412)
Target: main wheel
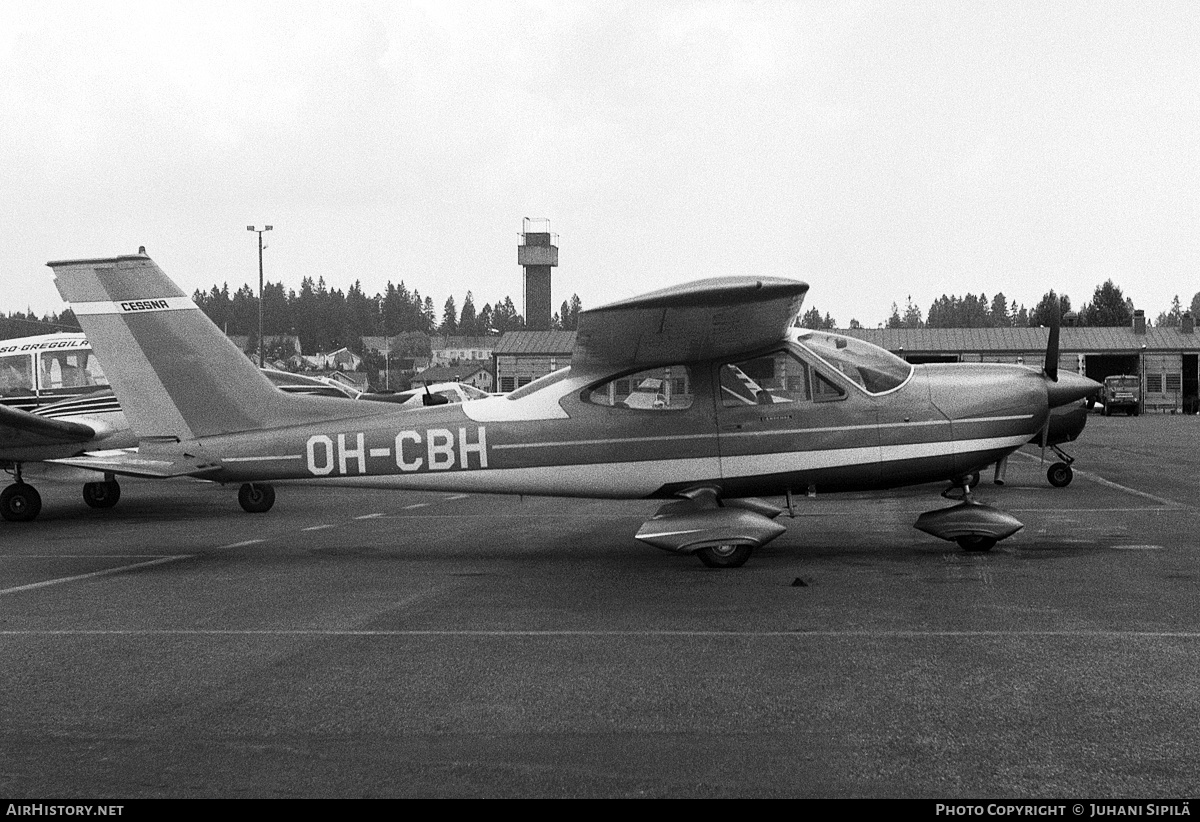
(971,480)
(1060,475)
(102,494)
(725,556)
(976,544)
(256,497)
(20,502)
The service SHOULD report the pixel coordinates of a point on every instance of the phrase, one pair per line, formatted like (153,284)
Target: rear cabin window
(69,369)
(655,389)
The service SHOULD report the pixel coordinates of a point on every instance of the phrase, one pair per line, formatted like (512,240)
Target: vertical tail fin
(175,373)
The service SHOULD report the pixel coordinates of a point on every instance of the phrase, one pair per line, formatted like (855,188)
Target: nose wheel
(1060,475)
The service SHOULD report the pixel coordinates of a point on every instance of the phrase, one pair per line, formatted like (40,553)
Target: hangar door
(1099,366)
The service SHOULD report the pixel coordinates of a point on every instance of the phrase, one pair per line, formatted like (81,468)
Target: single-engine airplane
(744,405)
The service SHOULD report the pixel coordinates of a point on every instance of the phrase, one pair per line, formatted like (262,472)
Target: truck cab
(1122,393)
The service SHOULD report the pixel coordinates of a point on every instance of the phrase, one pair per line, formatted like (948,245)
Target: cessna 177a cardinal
(702,394)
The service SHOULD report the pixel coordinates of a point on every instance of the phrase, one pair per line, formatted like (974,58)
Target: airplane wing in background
(23,430)
(702,320)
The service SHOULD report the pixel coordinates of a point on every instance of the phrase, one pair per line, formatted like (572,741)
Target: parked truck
(1122,393)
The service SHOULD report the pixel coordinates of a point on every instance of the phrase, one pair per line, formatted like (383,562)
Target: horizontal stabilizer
(130,463)
(697,321)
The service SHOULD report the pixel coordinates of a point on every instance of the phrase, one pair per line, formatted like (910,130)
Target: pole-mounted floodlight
(260,290)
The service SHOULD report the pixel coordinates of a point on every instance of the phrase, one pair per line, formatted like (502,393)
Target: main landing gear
(20,502)
(722,533)
(102,494)
(974,526)
(256,497)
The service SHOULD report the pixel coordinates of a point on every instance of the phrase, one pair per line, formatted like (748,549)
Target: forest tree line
(327,319)
(1108,307)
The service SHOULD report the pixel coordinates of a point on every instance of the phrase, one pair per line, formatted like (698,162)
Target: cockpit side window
(825,390)
(16,375)
(656,389)
(767,380)
(870,367)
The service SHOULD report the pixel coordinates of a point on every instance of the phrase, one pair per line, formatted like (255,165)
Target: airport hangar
(1167,360)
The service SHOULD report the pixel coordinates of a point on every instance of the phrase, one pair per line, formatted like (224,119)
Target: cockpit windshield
(872,368)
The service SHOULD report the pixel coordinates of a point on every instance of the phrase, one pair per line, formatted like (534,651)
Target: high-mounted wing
(21,431)
(702,320)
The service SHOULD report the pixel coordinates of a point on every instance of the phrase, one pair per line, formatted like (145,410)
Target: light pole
(387,366)
(260,290)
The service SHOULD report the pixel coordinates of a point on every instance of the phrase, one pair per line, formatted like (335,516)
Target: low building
(522,356)
(449,350)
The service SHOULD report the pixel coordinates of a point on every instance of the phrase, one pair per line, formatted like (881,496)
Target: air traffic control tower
(537,254)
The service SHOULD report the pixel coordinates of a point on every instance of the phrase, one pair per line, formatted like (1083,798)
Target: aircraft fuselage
(566,439)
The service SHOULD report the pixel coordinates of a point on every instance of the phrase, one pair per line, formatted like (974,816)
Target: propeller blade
(1050,369)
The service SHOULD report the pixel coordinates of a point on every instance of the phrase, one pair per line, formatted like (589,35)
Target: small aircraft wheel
(102,494)
(1060,475)
(976,544)
(971,480)
(256,497)
(725,556)
(20,502)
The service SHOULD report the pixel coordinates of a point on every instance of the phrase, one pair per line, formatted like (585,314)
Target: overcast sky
(873,150)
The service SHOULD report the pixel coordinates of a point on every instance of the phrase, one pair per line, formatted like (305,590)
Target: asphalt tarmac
(373,644)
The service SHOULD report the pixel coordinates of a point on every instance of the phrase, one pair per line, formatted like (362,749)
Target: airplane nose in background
(1069,388)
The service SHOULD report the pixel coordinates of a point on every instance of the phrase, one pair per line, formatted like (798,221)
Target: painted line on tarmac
(285,632)
(242,544)
(369,516)
(105,572)
(1096,478)
(317,528)
(416,505)
(456,496)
